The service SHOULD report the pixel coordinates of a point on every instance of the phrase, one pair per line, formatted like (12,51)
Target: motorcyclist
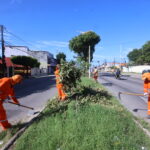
(117,73)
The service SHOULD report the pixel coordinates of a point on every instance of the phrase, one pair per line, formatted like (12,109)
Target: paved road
(127,84)
(33,92)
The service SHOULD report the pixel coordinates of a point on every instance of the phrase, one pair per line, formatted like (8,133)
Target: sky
(49,25)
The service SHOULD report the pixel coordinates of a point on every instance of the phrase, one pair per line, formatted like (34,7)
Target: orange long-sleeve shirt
(146,86)
(7,89)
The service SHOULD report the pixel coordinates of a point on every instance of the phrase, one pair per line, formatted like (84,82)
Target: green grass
(90,120)
(90,127)
(6,135)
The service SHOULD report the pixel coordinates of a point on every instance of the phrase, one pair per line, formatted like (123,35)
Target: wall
(43,57)
(136,69)
(16,51)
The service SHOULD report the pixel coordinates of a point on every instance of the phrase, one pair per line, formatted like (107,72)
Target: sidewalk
(133,75)
(41,75)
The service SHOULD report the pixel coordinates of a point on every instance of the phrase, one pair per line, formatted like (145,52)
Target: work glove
(6,100)
(145,94)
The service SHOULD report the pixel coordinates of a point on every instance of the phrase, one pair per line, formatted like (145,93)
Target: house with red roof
(11,68)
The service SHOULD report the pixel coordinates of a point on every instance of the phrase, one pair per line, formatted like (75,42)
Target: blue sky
(49,25)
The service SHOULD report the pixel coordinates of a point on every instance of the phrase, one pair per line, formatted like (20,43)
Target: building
(46,59)
(109,66)
(11,68)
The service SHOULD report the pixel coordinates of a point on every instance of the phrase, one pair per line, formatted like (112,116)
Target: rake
(126,93)
(21,105)
(30,113)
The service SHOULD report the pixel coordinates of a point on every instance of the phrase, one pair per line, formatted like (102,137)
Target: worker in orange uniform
(95,74)
(7,91)
(62,95)
(146,78)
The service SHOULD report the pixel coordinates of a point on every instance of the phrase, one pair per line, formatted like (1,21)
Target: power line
(16,36)
(11,45)
(19,38)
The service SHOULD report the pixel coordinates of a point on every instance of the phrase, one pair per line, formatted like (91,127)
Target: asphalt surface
(33,92)
(127,83)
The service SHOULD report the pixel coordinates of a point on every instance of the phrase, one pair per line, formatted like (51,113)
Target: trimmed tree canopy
(25,61)
(80,44)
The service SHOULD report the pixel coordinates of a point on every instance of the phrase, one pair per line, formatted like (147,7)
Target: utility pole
(114,62)
(3,50)
(89,61)
(120,54)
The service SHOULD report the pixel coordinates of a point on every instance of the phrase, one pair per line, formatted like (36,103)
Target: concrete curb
(13,139)
(19,133)
(133,75)
(144,129)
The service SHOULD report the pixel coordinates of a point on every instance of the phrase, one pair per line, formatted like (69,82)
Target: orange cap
(17,79)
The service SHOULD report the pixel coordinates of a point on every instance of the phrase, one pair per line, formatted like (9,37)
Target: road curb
(19,133)
(133,75)
(144,129)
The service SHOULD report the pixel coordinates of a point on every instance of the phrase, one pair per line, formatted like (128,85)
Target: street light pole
(89,61)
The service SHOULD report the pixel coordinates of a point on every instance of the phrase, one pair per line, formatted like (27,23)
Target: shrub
(70,75)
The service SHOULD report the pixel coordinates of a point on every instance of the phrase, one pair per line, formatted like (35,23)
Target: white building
(46,59)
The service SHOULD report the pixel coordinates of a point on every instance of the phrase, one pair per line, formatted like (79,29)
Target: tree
(146,52)
(60,56)
(80,44)
(82,65)
(140,56)
(25,61)
(134,55)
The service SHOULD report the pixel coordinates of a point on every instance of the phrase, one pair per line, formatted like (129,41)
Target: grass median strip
(90,119)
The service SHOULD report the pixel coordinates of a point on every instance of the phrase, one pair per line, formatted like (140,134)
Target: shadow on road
(34,85)
(122,78)
(108,74)
(137,109)
(107,84)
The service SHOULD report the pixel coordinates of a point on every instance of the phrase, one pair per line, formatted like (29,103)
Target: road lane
(33,92)
(126,84)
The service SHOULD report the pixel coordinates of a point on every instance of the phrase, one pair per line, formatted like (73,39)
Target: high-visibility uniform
(147,88)
(62,95)
(6,90)
(95,74)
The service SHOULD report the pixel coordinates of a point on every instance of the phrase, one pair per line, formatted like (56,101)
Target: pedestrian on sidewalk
(7,91)
(146,78)
(61,94)
(95,74)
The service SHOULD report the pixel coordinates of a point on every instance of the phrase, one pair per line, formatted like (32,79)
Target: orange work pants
(62,95)
(148,103)
(95,78)
(3,118)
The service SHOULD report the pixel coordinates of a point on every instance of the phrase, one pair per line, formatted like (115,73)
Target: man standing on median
(95,74)
(7,91)
(62,95)
(146,78)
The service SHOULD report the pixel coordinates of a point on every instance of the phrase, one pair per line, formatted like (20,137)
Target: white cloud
(53,43)
(98,56)
(125,52)
(99,48)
